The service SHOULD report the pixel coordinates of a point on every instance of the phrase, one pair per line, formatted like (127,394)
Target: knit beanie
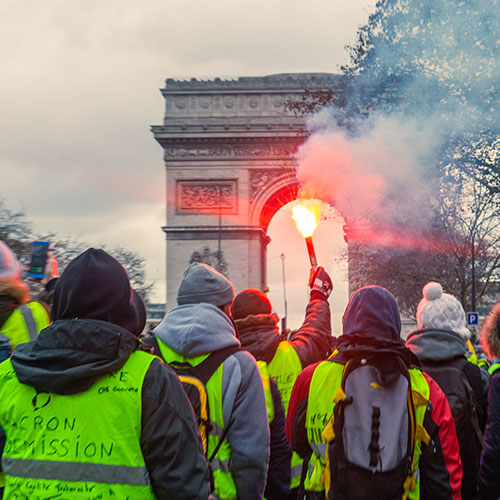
(95,285)
(441,311)
(250,301)
(9,265)
(202,283)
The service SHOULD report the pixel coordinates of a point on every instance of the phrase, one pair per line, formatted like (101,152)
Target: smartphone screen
(39,251)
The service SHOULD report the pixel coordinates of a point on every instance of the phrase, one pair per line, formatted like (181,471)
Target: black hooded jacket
(73,353)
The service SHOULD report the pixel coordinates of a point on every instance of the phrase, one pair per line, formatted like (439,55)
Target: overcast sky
(80,88)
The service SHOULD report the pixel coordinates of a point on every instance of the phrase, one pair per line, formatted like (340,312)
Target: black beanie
(95,285)
(250,301)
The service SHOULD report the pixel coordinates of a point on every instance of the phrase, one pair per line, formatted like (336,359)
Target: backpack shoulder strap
(207,367)
(29,320)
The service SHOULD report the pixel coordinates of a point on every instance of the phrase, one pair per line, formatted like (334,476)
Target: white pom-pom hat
(441,311)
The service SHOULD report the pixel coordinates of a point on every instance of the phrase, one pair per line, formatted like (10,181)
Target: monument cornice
(214,232)
(271,148)
(294,82)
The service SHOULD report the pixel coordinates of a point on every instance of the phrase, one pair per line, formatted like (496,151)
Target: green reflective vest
(224,486)
(284,368)
(15,328)
(80,446)
(494,367)
(325,383)
(264,375)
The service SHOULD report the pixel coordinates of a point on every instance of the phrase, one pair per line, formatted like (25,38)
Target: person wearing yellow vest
(489,469)
(20,318)
(189,333)
(371,324)
(259,334)
(86,412)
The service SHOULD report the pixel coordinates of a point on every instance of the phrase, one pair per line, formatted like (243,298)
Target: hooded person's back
(371,327)
(90,353)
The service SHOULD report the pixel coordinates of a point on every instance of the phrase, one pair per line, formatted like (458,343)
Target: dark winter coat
(444,348)
(279,475)
(70,355)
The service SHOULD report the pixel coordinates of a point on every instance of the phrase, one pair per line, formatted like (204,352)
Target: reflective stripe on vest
(224,486)
(15,328)
(494,367)
(324,384)
(264,375)
(472,356)
(284,368)
(76,445)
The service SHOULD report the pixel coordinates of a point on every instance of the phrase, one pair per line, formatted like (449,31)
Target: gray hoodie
(194,329)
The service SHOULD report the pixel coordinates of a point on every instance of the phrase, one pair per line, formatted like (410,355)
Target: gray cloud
(80,89)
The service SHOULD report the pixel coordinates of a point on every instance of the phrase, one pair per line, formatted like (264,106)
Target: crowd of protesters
(93,408)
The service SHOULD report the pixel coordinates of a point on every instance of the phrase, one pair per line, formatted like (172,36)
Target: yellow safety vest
(224,486)
(284,368)
(264,375)
(325,383)
(16,328)
(78,446)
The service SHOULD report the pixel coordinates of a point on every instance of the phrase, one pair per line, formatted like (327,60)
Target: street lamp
(219,250)
(473,275)
(283,320)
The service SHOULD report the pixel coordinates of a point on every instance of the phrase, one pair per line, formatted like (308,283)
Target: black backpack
(194,380)
(466,413)
(371,436)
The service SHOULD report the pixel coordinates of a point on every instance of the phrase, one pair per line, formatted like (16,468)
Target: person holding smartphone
(20,317)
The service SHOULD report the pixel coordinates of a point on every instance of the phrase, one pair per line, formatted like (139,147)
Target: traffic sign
(473,318)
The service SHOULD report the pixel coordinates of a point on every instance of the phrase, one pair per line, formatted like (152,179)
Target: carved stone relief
(256,151)
(204,195)
(260,179)
(212,258)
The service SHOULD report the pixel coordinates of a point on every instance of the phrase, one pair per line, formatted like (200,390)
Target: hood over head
(436,345)
(95,285)
(202,283)
(372,311)
(69,356)
(193,329)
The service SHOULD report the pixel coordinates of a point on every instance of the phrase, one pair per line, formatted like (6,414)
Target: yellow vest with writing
(284,368)
(78,446)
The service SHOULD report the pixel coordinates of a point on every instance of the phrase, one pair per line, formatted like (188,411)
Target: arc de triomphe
(229,148)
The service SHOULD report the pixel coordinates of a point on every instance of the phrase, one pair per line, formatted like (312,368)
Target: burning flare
(306,219)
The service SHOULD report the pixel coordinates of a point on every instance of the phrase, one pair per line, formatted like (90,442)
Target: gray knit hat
(9,265)
(441,311)
(202,283)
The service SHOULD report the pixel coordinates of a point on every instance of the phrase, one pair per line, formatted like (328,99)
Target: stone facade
(229,155)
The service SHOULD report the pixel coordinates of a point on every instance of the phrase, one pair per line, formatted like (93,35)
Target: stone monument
(229,156)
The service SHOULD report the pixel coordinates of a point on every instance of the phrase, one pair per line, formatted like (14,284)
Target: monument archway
(229,157)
